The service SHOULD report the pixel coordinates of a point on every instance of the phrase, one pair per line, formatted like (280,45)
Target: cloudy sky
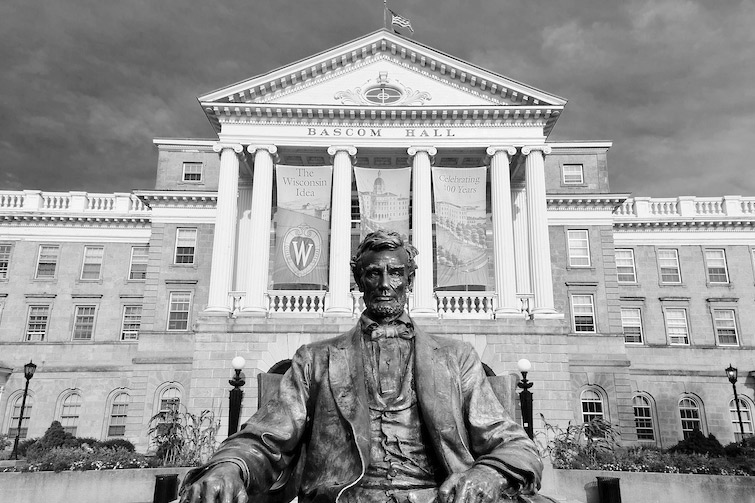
(87,84)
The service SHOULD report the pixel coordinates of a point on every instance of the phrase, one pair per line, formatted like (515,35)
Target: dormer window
(192,172)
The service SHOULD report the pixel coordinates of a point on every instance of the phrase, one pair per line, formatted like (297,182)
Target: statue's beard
(387,311)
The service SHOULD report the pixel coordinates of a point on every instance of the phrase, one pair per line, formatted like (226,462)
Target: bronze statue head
(383,268)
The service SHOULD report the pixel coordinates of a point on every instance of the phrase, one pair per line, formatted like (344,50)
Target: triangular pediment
(382,70)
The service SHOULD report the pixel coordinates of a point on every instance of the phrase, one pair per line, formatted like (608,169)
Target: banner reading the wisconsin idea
(384,199)
(302,222)
(461,222)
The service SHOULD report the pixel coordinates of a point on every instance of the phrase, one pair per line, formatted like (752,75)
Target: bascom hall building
(629,307)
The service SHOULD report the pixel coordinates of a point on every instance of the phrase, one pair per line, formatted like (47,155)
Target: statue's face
(384,280)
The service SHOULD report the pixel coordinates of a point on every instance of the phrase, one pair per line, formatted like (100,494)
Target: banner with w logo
(302,222)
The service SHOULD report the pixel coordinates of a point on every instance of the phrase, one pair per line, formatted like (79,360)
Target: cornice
(593,202)
(178,199)
(38,220)
(335,115)
(738,224)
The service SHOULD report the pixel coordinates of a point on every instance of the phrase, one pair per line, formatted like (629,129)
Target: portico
(383,102)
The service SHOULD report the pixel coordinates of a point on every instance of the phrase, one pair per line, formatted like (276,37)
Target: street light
(731,373)
(525,396)
(29,370)
(235,396)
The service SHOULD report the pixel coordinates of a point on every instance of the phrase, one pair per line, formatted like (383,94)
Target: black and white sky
(86,85)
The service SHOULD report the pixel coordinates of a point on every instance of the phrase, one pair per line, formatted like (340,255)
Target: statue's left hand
(479,484)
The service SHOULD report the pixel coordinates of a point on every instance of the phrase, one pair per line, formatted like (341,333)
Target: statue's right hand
(220,484)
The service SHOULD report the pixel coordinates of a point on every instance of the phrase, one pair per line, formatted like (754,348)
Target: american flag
(400,21)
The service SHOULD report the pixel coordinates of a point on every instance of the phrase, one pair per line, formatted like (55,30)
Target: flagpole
(385,14)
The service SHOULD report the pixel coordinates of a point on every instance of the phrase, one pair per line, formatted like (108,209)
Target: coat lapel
(346,377)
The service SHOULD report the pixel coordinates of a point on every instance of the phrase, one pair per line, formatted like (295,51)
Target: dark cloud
(87,84)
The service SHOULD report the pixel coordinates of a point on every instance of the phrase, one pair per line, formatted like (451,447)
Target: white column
(422,231)
(338,299)
(521,240)
(244,241)
(540,250)
(256,303)
(224,239)
(503,232)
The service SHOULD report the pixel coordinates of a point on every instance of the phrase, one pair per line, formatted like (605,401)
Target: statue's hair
(382,240)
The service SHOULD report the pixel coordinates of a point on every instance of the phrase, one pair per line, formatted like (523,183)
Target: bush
(23,445)
(697,443)
(183,438)
(83,458)
(117,443)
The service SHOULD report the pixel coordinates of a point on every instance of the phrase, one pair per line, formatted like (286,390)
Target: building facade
(628,307)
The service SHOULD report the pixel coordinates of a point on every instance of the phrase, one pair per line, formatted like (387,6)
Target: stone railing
(473,305)
(70,202)
(686,207)
(296,302)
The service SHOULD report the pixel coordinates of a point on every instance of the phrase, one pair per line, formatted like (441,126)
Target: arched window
(643,418)
(16,413)
(689,411)
(746,413)
(170,399)
(118,413)
(69,413)
(592,405)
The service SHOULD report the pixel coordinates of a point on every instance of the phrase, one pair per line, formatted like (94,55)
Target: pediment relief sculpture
(383,91)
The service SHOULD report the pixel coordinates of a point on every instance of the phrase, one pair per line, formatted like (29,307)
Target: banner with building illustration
(461,223)
(384,199)
(302,222)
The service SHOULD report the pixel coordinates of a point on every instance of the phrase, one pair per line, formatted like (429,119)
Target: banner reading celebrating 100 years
(302,221)
(384,199)
(460,218)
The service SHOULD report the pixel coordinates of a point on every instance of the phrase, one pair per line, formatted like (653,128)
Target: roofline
(275,74)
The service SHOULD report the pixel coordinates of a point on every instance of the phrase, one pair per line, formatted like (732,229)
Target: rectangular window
(625,269)
(192,172)
(715,263)
(178,310)
(186,242)
(583,313)
(139,258)
(36,324)
(643,418)
(631,323)
(132,320)
(47,261)
(725,326)
(92,266)
(118,415)
(4,260)
(676,326)
(579,248)
(83,323)
(572,174)
(668,261)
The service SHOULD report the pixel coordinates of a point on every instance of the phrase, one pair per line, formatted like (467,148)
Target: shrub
(117,443)
(81,458)
(54,437)
(23,445)
(697,443)
(5,442)
(581,445)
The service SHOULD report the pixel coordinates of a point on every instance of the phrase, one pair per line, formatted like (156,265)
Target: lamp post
(731,373)
(29,370)
(525,396)
(235,396)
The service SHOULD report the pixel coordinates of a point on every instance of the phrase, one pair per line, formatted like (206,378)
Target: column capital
(220,146)
(412,151)
(351,150)
(545,149)
(493,150)
(252,149)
